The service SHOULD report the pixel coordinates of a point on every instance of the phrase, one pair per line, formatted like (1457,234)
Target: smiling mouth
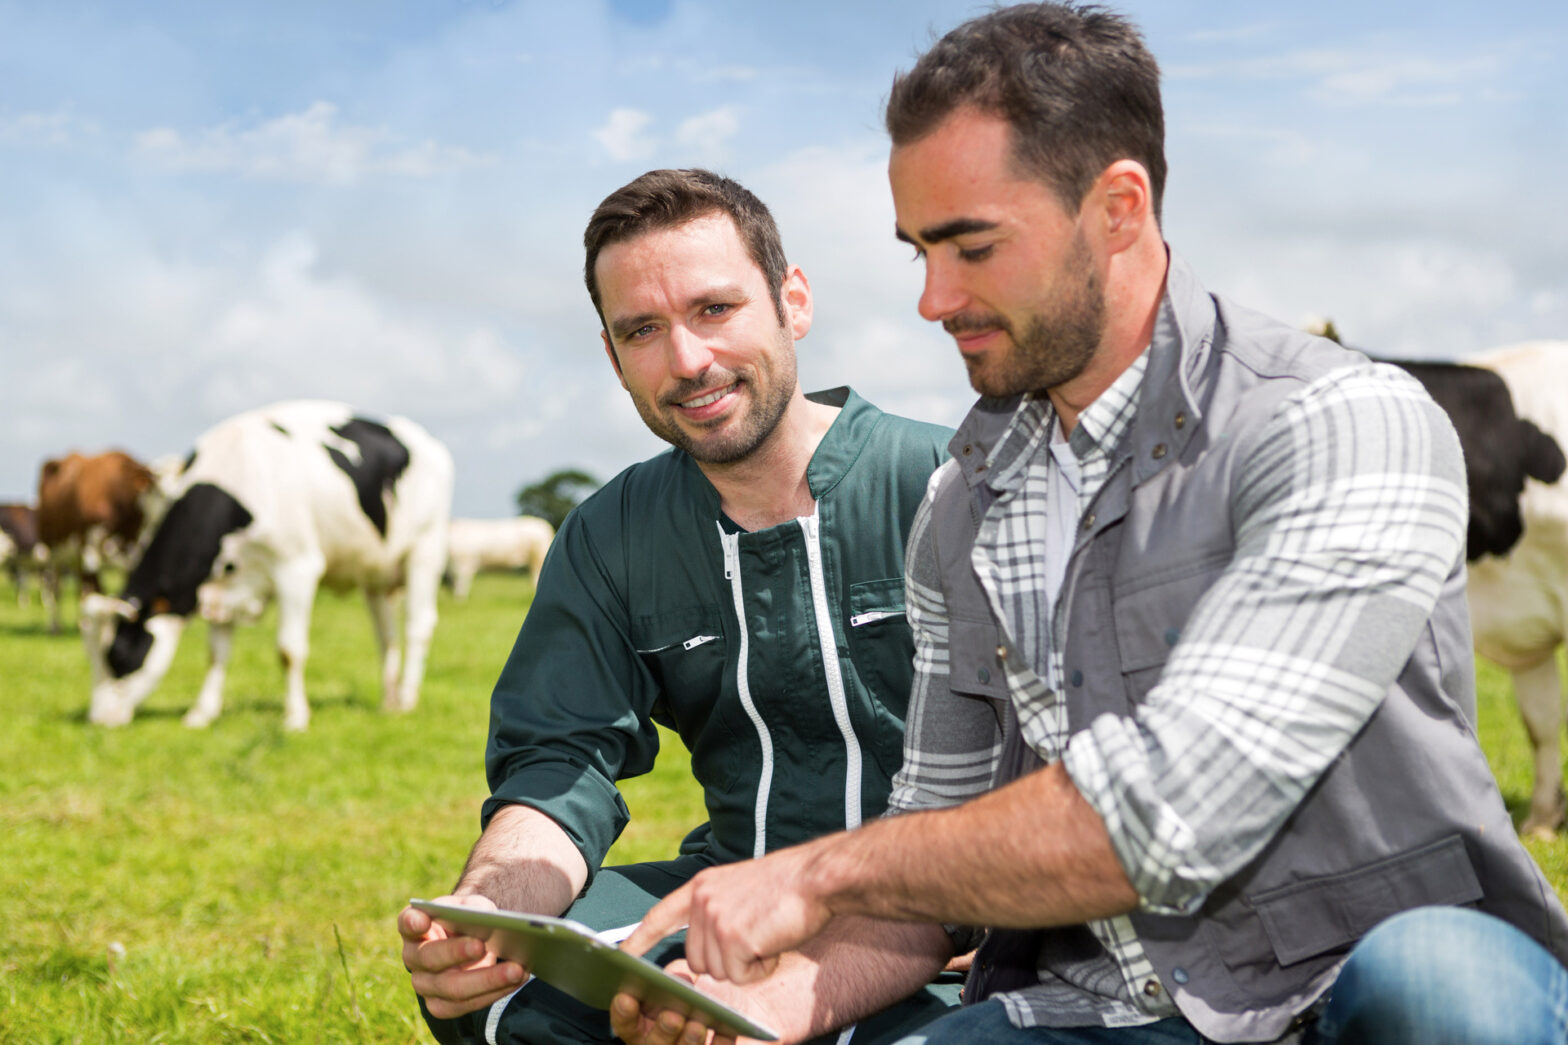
(709,398)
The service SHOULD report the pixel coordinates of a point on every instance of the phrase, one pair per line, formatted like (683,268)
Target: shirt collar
(1100,426)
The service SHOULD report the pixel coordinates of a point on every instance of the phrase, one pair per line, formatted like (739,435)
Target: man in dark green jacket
(744,588)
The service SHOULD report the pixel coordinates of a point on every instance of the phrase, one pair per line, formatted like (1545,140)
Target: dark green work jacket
(781,657)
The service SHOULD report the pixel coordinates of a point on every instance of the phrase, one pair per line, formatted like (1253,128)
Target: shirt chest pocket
(685,652)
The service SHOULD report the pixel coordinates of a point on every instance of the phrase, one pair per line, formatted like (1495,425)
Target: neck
(1135,283)
(768,486)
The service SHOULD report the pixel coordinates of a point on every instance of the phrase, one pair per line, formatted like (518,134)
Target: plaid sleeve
(1349,514)
(950,744)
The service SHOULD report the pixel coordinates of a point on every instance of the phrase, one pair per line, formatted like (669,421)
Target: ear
(796,295)
(609,350)
(1124,201)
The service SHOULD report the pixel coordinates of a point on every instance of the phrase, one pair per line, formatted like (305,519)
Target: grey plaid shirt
(1338,509)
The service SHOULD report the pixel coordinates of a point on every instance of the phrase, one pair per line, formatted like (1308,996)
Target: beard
(768,391)
(1057,341)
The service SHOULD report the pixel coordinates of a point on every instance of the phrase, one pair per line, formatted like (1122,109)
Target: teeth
(711,397)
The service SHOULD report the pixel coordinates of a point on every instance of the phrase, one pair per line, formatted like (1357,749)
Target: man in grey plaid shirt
(1192,732)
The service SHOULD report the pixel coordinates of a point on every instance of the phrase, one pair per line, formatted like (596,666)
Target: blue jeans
(1431,976)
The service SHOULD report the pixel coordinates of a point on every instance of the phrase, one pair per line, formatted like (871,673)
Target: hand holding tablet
(571,958)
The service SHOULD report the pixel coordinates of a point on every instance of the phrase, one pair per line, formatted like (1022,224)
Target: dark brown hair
(1075,83)
(664,199)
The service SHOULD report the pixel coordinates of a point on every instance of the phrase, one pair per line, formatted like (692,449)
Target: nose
(689,353)
(941,296)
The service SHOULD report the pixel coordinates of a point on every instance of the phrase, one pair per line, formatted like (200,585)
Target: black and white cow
(1519,594)
(273,503)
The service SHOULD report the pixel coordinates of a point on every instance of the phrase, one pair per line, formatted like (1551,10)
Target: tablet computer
(568,956)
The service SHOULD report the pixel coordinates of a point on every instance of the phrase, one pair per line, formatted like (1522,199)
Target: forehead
(963,169)
(672,266)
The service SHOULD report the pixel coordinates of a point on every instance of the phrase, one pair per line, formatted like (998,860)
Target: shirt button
(1181,418)
(1152,988)
(1076,678)
(1171,635)
(968,449)
(1158,451)
(1088,521)
(1001,653)
(983,675)
(1179,974)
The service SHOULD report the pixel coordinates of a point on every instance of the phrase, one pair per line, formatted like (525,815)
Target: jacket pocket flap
(973,668)
(1332,912)
(883,596)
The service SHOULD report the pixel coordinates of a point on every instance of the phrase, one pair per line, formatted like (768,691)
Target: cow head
(131,641)
(127,653)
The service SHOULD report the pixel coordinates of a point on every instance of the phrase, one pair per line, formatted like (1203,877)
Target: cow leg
(209,702)
(425,563)
(1541,704)
(296,590)
(383,614)
(463,581)
(49,591)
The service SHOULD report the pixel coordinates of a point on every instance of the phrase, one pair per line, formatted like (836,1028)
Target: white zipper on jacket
(827,639)
(731,542)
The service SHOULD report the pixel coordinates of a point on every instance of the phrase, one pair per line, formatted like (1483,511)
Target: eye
(974,253)
(228,568)
(717,310)
(640,332)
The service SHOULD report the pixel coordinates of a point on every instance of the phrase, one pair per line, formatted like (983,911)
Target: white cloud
(706,134)
(48,129)
(309,146)
(622,135)
(296,332)
(1359,75)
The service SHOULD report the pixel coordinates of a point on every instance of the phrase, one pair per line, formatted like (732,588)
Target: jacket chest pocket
(880,642)
(974,667)
(686,653)
(1151,612)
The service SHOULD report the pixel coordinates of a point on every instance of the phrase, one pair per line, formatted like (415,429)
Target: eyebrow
(947,230)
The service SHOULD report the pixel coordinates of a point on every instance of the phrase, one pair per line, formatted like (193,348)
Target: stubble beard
(767,408)
(1058,341)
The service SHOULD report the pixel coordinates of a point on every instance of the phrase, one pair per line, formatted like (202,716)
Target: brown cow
(90,509)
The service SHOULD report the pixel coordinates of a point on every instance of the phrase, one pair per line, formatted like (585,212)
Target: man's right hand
(454,974)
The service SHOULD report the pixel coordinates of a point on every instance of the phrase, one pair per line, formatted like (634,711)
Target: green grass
(239,884)
(228,864)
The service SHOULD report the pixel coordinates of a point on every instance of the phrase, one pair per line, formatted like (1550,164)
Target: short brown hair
(1075,83)
(664,199)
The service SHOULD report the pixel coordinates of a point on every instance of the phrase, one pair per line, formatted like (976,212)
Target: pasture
(239,884)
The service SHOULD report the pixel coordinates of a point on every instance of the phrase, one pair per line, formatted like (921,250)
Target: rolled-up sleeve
(1349,515)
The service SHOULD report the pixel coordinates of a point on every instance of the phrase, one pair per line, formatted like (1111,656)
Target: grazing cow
(20,551)
(495,544)
(1519,597)
(273,503)
(90,512)
(1503,448)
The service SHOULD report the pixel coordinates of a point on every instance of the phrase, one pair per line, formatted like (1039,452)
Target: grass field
(239,884)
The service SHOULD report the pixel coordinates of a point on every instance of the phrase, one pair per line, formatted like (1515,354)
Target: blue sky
(208,207)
